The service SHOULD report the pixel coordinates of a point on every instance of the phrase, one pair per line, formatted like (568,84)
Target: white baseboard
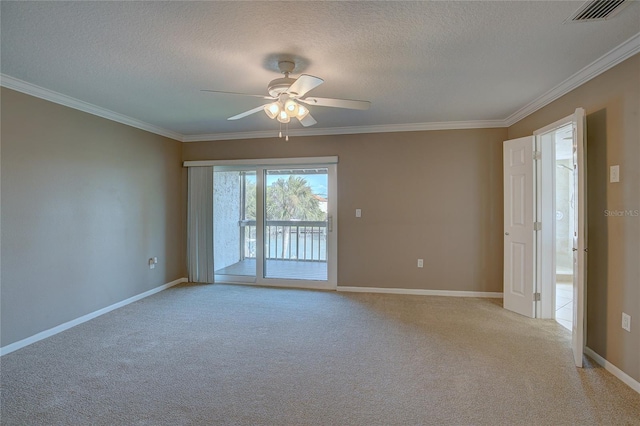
(67,325)
(420,292)
(626,379)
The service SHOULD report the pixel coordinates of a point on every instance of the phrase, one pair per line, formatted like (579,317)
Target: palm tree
(286,199)
(292,199)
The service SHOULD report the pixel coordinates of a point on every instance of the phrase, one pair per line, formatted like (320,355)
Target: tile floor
(564,303)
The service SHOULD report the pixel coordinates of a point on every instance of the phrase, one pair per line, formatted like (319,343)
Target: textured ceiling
(417,62)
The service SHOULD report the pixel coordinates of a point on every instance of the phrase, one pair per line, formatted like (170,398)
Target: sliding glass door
(274,224)
(296,226)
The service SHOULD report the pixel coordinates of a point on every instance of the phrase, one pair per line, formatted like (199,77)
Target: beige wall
(434,195)
(612,104)
(85,203)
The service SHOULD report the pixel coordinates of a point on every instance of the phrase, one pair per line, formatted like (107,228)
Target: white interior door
(579,236)
(519,234)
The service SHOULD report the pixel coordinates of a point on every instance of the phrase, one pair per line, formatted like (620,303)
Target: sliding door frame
(260,166)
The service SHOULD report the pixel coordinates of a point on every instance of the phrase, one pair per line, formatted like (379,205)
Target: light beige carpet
(215,354)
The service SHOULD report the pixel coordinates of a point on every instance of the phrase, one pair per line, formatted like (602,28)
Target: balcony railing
(299,240)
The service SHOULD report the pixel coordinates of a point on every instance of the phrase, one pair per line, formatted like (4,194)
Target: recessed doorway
(544,218)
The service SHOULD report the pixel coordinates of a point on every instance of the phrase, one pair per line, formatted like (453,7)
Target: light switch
(614,174)
(358,212)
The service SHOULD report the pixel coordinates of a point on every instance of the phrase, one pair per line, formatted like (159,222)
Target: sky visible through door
(318,183)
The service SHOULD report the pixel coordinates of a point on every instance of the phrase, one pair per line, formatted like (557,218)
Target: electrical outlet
(358,212)
(420,263)
(626,322)
(614,174)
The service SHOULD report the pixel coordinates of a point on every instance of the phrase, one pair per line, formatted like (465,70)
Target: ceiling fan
(289,100)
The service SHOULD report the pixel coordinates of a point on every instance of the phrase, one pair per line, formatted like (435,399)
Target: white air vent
(598,10)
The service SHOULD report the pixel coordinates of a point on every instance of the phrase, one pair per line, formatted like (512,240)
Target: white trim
(299,161)
(67,325)
(379,128)
(546,215)
(58,98)
(624,377)
(610,59)
(421,292)
(555,125)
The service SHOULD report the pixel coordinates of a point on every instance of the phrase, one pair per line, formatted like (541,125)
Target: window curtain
(200,225)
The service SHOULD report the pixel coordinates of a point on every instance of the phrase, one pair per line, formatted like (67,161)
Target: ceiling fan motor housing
(280,85)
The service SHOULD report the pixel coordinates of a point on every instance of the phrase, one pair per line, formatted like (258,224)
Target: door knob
(506,233)
(574,249)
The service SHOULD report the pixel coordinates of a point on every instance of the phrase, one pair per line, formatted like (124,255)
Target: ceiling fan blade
(303,84)
(239,94)
(337,103)
(308,121)
(244,114)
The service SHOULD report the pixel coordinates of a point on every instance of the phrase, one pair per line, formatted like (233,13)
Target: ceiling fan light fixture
(287,96)
(283,117)
(302,112)
(291,108)
(272,110)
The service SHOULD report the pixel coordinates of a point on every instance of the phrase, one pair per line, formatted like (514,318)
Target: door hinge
(536,297)
(537,226)
(537,155)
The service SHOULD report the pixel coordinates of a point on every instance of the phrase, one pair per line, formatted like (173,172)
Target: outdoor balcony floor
(285,269)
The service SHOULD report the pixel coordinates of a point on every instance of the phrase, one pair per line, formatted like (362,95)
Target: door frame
(546,210)
(546,183)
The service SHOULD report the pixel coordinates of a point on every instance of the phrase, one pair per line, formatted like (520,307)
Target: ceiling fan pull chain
(287,130)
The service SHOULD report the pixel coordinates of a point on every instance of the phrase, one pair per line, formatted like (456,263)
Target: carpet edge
(69,324)
(621,375)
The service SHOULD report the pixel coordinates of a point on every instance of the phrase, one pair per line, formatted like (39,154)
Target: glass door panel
(234,223)
(295,228)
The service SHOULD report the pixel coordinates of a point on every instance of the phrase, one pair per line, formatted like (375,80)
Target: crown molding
(618,54)
(607,61)
(382,128)
(58,98)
